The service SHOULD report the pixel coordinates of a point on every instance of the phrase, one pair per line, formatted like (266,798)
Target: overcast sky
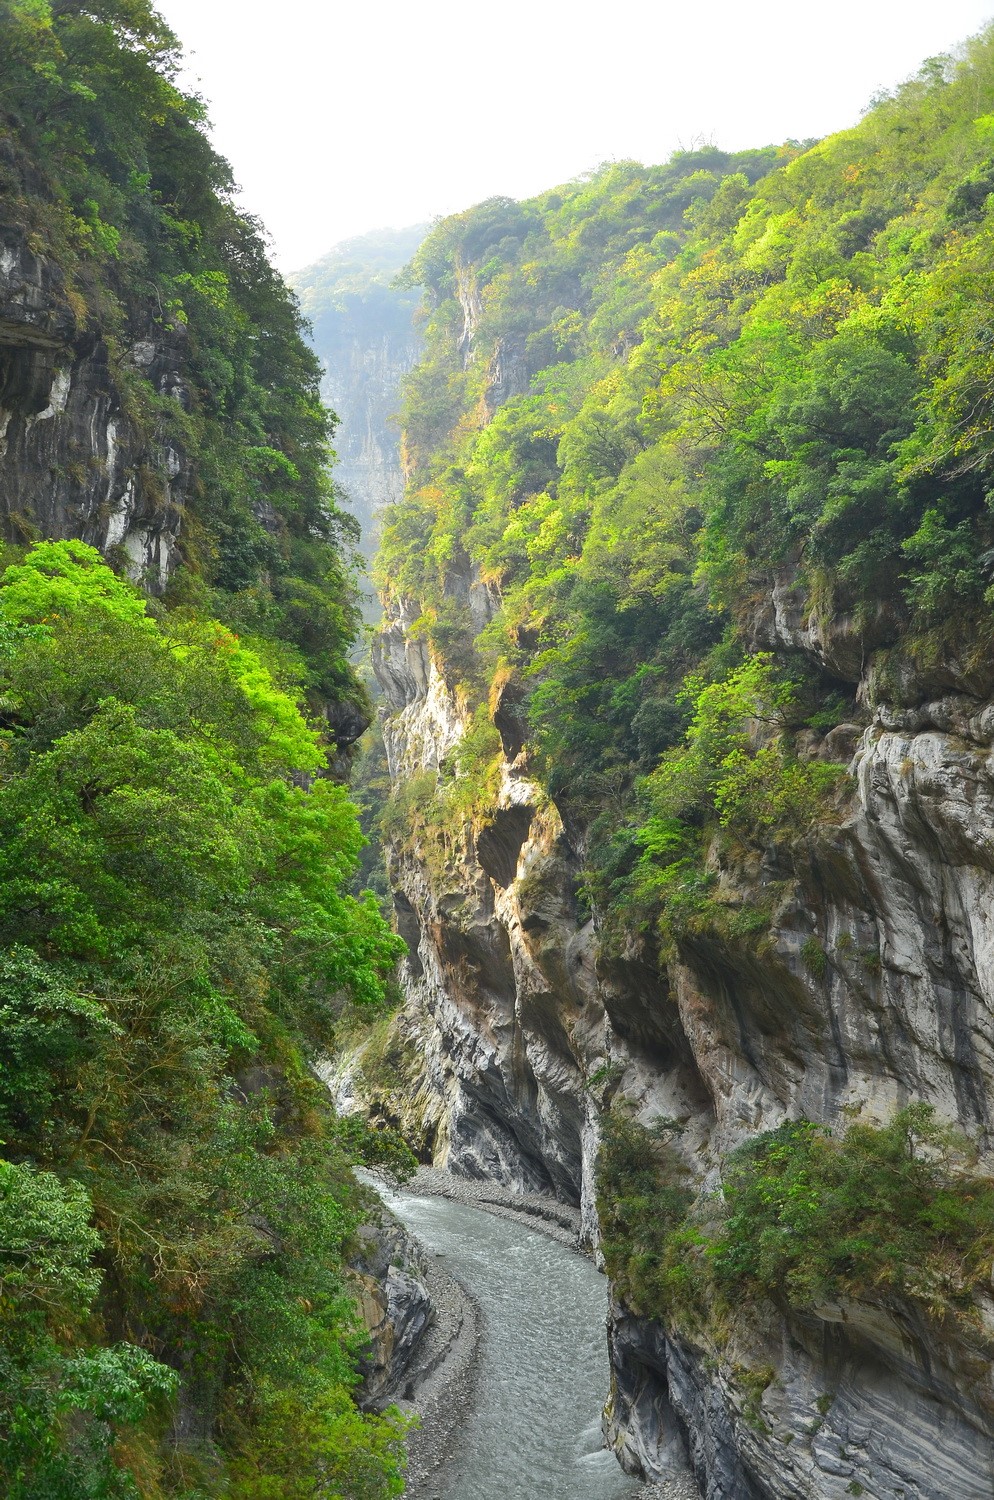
(339,118)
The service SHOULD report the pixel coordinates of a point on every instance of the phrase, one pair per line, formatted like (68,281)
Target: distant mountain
(364,335)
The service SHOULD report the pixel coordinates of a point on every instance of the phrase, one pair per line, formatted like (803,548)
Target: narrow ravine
(543,1378)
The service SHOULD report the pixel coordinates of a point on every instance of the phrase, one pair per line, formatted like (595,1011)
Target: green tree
(180,942)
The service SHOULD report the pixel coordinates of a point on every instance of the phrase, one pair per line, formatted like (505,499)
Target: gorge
(536,1403)
(689,836)
(363,330)
(679,781)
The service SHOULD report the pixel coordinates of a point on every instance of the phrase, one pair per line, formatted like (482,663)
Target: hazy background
(339,118)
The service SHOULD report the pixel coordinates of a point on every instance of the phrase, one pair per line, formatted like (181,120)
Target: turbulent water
(535,1432)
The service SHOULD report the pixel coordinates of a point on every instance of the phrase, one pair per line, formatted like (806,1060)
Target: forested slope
(703,391)
(177,941)
(689,655)
(159,400)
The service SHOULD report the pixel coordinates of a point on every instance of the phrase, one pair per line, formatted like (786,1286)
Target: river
(535,1428)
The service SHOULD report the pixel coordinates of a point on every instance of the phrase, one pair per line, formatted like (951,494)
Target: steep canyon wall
(864,984)
(527,1030)
(74,462)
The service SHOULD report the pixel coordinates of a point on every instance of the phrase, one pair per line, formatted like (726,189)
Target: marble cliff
(522,1027)
(873,987)
(75,463)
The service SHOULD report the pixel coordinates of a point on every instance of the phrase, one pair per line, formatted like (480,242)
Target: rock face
(73,461)
(851,1402)
(395,1306)
(362,385)
(876,988)
(522,1026)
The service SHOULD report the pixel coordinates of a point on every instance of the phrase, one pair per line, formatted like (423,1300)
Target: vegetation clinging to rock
(652,398)
(107,169)
(806,1216)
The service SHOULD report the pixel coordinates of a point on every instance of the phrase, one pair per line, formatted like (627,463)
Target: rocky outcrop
(519,1025)
(471,306)
(508,373)
(850,1402)
(425,1332)
(75,458)
(395,1305)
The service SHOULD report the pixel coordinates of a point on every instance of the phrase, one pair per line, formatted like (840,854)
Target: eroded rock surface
(875,988)
(395,1305)
(74,461)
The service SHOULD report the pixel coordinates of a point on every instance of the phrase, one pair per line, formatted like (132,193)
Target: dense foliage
(176,943)
(106,164)
(180,933)
(651,398)
(642,1198)
(806,1217)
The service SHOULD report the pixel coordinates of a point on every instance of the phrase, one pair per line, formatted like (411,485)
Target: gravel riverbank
(680,1487)
(441,1384)
(560,1221)
(444,1397)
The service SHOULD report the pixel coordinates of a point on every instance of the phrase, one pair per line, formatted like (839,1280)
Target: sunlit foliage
(656,396)
(177,943)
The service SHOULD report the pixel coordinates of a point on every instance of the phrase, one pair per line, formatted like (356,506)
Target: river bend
(534,1432)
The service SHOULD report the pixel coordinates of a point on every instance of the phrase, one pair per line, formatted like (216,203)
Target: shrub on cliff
(806,1216)
(642,1198)
(735,778)
(877,1213)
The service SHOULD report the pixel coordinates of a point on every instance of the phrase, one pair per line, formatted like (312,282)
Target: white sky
(343,117)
